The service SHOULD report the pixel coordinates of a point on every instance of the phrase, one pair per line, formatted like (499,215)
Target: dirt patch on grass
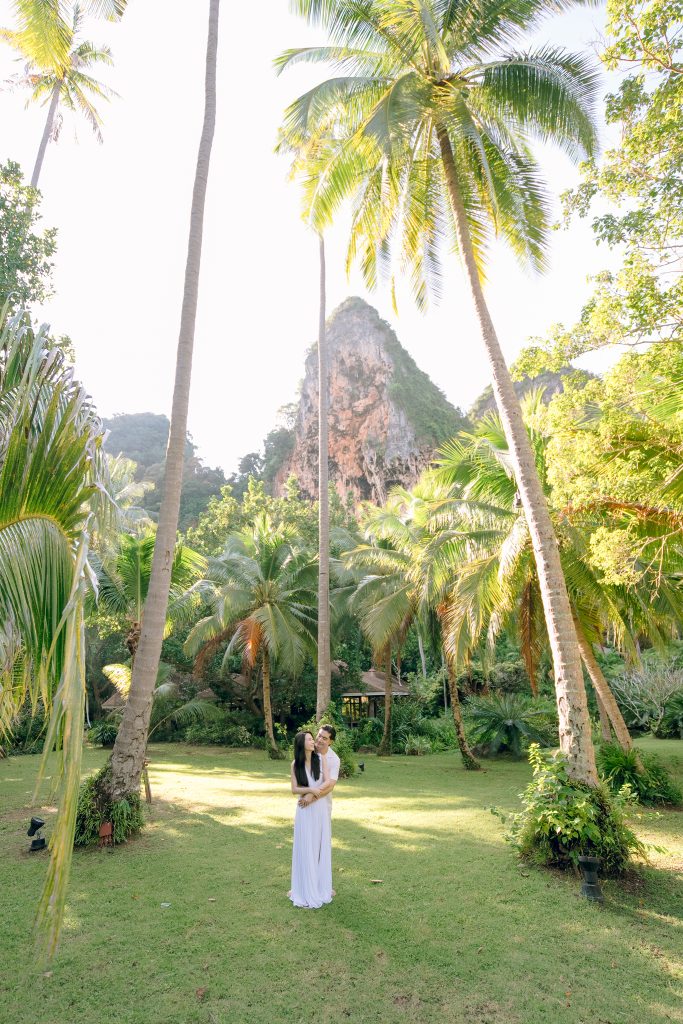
(489,1012)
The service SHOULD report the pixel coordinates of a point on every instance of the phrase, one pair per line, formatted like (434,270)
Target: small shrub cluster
(649,779)
(670,727)
(227,729)
(105,731)
(562,820)
(417,746)
(409,721)
(367,734)
(509,722)
(28,730)
(95,807)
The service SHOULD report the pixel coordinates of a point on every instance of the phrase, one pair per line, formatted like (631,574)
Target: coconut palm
(434,110)
(497,585)
(46,25)
(123,581)
(63,82)
(404,583)
(52,476)
(261,592)
(129,749)
(324,688)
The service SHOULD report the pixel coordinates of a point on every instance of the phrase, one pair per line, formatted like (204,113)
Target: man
(327,734)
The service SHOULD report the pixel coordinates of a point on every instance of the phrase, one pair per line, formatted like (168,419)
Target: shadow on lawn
(443,918)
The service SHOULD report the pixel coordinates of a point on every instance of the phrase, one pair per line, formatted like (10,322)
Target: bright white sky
(122,212)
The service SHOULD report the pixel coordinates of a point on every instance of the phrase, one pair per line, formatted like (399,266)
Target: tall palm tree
(497,584)
(324,683)
(262,597)
(52,477)
(435,110)
(64,81)
(129,749)
(324,688)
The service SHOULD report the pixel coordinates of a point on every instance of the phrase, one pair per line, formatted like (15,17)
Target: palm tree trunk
(324,682)
(129,750)
(423,660)
(385,746)
(47,132)
(267,708)
(468,759)
(603,692)
(605,727)
(575,733)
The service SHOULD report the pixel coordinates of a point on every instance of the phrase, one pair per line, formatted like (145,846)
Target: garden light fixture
(590,887)
(37,841)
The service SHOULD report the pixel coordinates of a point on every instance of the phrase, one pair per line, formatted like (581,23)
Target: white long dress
(312,852)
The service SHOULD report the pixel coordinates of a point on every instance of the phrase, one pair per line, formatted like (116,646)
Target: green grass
(457,930)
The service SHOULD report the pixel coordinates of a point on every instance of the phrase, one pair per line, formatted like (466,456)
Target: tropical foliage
(561,821)
(261,592)
(52,484)
(26,253)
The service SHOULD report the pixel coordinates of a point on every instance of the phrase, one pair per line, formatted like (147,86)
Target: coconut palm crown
(423,86)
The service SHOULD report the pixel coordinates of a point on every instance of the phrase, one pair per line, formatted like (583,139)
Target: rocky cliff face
(386,416)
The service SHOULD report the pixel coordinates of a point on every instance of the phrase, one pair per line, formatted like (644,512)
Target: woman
(312,853)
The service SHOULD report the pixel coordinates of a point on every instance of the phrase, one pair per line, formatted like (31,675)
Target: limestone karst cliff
(387,418)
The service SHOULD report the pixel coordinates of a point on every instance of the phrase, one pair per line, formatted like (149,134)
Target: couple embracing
(315,771)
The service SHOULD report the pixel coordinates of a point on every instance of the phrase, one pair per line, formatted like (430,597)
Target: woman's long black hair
(300,759)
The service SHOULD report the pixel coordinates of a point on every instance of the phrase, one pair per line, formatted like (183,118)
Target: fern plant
(649,779)
(510,722)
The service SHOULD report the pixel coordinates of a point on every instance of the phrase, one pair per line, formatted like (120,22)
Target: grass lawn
(456,931)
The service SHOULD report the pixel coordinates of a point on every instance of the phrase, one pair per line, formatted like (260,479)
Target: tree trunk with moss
(324,689)
(468,759)
(605,727)
(129,750)
(602,690)
(385,745)
(274,750)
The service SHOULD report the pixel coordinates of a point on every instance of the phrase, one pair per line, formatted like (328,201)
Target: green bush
(368,734)
(28,730)
(417,746)
(441,732)
(649,779)
(104,731)
(509,677)
(407,719)
(671,724)
(95,807)
(510,722)
(226,729)
(562,819)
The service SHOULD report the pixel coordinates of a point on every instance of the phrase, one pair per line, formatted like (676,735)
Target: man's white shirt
(333,763)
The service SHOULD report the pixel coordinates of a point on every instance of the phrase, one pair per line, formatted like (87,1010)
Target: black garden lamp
(590,887)
(37,841)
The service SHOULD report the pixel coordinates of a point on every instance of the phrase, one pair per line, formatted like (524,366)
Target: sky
(122,213)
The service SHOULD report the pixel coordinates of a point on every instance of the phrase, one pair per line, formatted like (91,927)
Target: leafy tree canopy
(26,253)
(642,183)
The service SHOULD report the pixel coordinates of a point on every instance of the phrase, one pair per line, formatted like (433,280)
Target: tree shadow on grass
(456,931)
